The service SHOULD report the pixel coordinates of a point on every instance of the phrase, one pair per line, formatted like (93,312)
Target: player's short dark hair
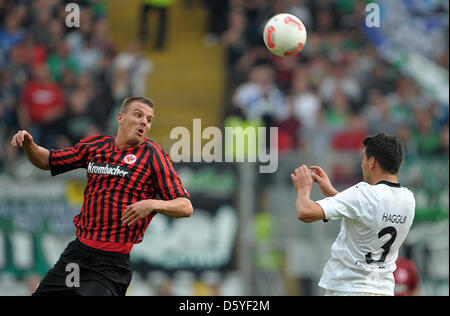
(387,151)
(129,100)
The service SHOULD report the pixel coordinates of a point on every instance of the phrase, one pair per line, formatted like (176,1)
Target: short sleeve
(346,204)
(167,183)
(63,160)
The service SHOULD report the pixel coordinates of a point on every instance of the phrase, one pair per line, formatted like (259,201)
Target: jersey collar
(391,184)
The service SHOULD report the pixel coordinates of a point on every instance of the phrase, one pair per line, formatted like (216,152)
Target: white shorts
(338,293)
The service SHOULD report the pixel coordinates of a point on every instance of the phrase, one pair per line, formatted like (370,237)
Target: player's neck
(122,143)
(384,177)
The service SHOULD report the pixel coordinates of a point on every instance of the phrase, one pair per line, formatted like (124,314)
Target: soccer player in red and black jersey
(126,175)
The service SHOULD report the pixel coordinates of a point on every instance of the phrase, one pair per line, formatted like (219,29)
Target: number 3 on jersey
(387,246)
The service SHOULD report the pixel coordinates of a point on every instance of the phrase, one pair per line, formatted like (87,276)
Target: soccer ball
(285,35)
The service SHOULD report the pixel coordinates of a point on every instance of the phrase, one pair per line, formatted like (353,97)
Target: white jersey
(375,222)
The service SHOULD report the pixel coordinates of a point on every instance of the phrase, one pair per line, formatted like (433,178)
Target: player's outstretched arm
(323,181)
(176,208)
(37,155)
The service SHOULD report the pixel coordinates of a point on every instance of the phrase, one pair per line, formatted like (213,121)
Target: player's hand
(21,138)
(302,179)
(323,181)
(136,211)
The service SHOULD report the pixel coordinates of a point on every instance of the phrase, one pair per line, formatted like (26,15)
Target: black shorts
(83,270)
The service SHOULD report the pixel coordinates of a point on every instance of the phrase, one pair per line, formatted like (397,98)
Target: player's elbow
(305,217)
(309,212)
(306,214)
(188,209)
(41,164)
(303,213)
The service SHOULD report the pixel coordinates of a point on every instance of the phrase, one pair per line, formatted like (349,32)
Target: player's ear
(372,162)
(120,118)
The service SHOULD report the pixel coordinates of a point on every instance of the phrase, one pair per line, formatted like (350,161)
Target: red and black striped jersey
(116,179)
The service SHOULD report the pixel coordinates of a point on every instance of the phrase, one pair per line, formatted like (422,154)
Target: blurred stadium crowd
(337,90)
(64,83)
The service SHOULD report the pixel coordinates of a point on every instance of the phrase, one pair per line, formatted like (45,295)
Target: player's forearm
(326,188)
(330,191)
(37,155)
(176,208)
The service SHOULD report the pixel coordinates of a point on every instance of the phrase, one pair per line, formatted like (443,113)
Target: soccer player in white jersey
(376,217)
